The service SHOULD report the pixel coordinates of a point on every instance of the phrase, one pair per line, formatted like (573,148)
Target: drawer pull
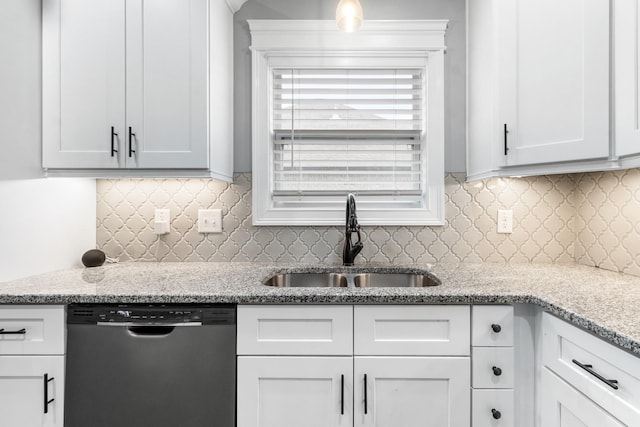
(496,414)
(611,383)
(20,332)
(496,328)
(496,371)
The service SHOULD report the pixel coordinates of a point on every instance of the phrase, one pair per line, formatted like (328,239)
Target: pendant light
(349,15)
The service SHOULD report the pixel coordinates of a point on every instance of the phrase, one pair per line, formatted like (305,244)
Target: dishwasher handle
(150,324)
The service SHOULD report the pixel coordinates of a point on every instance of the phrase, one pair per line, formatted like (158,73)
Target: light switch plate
(209,221)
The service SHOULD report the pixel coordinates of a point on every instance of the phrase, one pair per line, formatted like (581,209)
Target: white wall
(45,224)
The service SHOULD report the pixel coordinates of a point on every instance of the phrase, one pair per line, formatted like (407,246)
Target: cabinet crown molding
(235,5)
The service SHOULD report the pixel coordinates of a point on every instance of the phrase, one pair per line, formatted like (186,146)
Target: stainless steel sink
(401,280)
(307,280)
(350,280)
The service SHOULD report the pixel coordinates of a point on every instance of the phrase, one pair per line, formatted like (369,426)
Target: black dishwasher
(150,365)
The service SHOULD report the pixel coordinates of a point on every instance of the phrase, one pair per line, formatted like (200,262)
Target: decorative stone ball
(93,258)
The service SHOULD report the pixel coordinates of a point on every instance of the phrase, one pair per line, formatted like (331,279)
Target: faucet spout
(351,250)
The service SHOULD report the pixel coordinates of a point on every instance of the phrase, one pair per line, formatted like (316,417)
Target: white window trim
(274,41)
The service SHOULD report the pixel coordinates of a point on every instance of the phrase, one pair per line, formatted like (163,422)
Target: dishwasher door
(151,376)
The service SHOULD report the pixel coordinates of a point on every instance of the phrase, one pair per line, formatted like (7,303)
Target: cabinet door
(295,391)
(412,391)
(83,83)
(167,84)
(627,77)
(564,406)
(22,391)
(553,80)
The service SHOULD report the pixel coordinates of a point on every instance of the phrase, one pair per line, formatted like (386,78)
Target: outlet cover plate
(505,221)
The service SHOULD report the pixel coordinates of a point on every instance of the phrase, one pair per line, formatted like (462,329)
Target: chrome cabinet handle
(611,383)
(19,332)
(47,401)
(113,141)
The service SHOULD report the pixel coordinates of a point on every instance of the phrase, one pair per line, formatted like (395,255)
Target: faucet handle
(357,247)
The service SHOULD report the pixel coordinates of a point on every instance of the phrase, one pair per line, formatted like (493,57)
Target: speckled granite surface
(606,303)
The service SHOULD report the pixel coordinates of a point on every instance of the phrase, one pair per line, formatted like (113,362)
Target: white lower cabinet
(380,366)
(295,391)
(26,383)
(564,406)
(585,380)
(360,391)
(411,391)
(493,408)
(32,343)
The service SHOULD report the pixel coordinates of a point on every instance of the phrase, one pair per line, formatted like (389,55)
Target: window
(335,113)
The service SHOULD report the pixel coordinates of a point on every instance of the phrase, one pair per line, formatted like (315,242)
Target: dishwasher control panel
(205,314)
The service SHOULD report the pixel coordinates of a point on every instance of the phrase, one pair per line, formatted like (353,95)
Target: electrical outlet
(209,221)
(505,221)
(162,221)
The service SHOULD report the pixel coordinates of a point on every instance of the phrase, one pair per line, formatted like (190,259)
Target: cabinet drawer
(562,406)
(412,330)
(295,330)
(32,329)
(563,343)
(493,367)
(493,408)
(492,325)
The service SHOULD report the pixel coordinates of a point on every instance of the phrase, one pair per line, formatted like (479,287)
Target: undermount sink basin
(307,280)
(358,280)
(399,280)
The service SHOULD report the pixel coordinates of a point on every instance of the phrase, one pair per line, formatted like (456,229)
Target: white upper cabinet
(538,94)
(554,80)
(626,77)
(83,83)
(138,85)
(167,80)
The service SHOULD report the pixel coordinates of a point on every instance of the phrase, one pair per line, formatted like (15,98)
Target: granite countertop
(603,302)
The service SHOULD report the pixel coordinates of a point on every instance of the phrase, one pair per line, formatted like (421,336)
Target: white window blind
(339,130)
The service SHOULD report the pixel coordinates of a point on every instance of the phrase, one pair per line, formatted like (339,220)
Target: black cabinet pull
(341,394)
(496,414)
(131,136)
(113,141)
(506,147)
(19,332)
(365,394)
(611,383)
(496,328)
(47,401)
(496,371)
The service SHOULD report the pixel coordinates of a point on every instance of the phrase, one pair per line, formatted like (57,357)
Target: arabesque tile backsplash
(543,224)
(586,218)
